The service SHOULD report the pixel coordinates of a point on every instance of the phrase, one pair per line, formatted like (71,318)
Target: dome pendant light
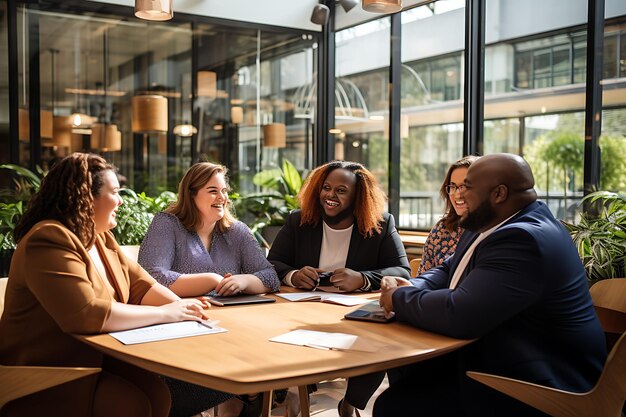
(154,9)
(382,6)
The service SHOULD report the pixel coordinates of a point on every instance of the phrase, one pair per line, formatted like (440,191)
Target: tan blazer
(54,290)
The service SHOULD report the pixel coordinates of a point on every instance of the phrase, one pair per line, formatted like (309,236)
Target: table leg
(267,403)
(303,390)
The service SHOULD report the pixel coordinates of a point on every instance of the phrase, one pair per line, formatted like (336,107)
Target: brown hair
(185,208)
(450,219)
(66,195)
(369,199)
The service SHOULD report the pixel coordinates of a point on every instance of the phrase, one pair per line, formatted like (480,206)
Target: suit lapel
(111,262)
(464,243)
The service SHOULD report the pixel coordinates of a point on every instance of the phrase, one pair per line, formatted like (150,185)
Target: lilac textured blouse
(169,251)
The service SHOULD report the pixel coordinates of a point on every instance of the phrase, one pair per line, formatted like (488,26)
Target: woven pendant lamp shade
(46,123)
(24,125)
(106,137)
(62,131)
(382,6)
(207,84)
(154,9)
(275,135)
(236,115)
(149,114)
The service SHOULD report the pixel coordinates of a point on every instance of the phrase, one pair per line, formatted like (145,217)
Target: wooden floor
(323,401)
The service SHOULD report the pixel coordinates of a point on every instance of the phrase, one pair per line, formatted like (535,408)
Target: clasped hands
(344,279)
(388,286)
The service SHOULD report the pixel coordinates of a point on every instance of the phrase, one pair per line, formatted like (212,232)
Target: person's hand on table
(231,285)
(347,279)
(184,309)
(388,286)
(305,278)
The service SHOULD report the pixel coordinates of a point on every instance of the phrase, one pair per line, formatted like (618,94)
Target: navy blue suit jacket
(524,296)
(382,254)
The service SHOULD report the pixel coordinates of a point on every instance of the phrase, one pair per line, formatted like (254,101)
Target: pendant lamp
(275,135)
(185,130)
(45,124)
(106,137)
(62,131)
(154,9)
(149,113)
(236,115)
(382,6)
(207,84)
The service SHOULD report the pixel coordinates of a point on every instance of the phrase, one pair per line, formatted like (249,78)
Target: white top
(334,251)
(335,245)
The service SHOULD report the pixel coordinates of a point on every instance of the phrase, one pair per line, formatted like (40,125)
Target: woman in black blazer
(341,230)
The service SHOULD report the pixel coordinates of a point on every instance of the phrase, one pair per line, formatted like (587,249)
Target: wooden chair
(415,266)
(20,381)
(608,396)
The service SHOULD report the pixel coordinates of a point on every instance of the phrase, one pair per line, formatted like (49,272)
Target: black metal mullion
(473,111)
(14,141)
(325,114)
(34,99)
(593,100)
(395,77)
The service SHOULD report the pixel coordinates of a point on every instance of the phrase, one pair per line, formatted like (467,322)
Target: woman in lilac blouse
(196,246)
(442,239)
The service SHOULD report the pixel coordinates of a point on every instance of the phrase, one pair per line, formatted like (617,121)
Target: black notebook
(238,300)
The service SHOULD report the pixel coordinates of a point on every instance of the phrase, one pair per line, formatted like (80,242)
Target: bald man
(517,285)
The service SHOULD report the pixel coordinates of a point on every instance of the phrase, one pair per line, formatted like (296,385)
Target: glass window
(431,126)
(362,96)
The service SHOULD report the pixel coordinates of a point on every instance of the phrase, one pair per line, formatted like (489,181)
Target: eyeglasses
(452,188)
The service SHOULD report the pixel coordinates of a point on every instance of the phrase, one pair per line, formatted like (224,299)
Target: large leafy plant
(270,207)
(136,213)
(601,238)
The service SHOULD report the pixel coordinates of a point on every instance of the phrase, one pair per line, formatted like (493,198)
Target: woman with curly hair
(442,239)
(342,230)
(68,275)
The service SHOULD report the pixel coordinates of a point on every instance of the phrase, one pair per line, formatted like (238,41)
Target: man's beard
(477,219)
(342,215)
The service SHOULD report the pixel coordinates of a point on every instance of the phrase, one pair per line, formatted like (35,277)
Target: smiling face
(457,178)
(480,213)
(211,198)
(337,198)
(107,201)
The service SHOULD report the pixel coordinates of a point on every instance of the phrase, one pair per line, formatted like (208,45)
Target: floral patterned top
(439,246)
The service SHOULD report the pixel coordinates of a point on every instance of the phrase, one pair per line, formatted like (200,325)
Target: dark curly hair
(66,195)
(450,219)
(369,201)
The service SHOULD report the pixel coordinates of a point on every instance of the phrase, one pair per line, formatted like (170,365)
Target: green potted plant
(13,202)
(269,209)
(136,214)
(601,239)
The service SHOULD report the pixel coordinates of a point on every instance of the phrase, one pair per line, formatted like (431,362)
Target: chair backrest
(20,381)
(3,290)
(415,266)
(609,300)
(131,251)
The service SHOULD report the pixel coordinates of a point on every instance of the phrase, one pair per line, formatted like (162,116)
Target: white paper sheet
(325,340)
(344,300)
(167,331)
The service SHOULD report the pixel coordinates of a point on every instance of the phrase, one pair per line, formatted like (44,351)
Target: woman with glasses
(442,239)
